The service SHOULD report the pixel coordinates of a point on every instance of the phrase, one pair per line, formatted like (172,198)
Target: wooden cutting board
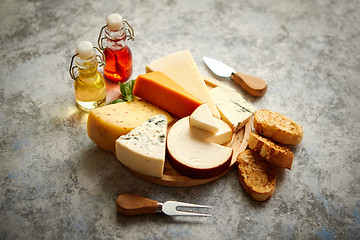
(172,178)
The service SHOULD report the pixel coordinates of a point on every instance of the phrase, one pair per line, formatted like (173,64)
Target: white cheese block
(192,154)
(181,68)
(202,118)
(234,109)
(143,149)
(223,135)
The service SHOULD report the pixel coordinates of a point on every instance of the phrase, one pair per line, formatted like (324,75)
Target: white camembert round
(192,154)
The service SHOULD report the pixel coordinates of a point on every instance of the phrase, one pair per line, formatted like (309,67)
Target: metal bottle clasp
(130,31)
(129,34)
(74,75)
(73,70)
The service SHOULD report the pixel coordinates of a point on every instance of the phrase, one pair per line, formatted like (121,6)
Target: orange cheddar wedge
(162,91)
(182,69)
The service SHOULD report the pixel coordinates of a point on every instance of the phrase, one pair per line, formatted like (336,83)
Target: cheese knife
(132,204)
(255,86)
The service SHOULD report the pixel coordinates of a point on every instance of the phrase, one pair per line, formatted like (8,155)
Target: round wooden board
(172,178)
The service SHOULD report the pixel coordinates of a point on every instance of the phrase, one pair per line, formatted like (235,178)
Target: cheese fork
(132,204)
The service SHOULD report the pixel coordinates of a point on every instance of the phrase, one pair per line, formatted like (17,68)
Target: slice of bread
(279,156)
(256,175)
(277,127)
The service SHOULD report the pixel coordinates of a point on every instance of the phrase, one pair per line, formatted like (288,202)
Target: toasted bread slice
(280,156)
(256,175)
(277,127)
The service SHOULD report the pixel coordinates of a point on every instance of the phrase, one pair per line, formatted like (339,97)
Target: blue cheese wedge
(143,149)
(234,109)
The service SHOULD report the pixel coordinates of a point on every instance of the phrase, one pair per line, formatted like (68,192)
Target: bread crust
(278,155)
(256,175)
(277,127)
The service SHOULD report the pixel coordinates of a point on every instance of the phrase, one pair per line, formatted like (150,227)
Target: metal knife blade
(217,67)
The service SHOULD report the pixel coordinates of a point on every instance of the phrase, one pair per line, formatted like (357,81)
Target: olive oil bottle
(89,85)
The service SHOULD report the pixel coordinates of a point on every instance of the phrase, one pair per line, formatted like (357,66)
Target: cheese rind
(203,119)
(108,123)
(192,155)
(165,93)
(143,149)
(234,109)
(181,68)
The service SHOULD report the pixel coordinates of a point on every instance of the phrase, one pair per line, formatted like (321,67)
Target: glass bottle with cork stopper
(117,54)
(89,85)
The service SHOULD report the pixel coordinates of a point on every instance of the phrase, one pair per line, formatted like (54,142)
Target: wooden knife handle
(253,85)
(132,204)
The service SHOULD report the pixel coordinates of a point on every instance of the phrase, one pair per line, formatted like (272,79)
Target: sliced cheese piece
(143,149)
(234,110)
(163,92)
(192,155)
(211,82)
(203,119)
(108,123)
(223,135)
(181,68)
(219,131)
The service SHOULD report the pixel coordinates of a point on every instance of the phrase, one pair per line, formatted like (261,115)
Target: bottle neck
(87,67)
(115,40)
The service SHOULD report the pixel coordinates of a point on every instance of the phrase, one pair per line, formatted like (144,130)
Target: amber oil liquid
(90,88)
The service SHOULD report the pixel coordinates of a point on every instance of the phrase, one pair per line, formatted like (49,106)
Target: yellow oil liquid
(90,89)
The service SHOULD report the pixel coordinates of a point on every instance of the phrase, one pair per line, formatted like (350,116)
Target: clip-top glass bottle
(117,54)
(89,85)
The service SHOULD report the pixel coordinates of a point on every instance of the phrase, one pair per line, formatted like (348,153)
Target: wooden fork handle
(132,204)
(255,86)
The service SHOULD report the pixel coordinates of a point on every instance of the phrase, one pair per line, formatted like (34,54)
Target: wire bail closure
(129,34)
(73,70)
(130,31)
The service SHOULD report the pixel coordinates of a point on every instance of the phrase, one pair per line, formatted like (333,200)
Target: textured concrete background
(56,184)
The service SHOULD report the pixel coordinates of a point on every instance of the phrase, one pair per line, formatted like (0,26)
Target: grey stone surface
(56,184)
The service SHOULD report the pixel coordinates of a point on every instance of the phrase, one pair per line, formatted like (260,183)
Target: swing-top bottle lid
(114,22)
(85,49)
